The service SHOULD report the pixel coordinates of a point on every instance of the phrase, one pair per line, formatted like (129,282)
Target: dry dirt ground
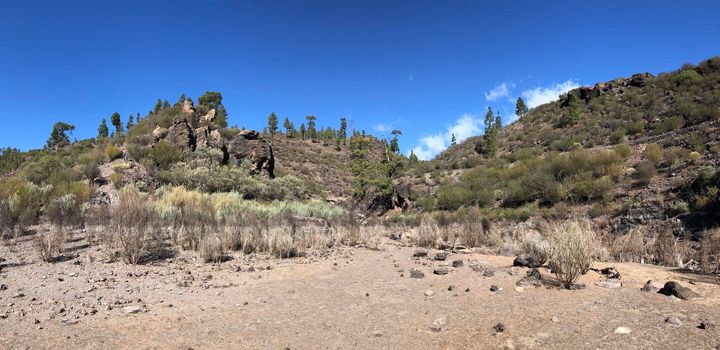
(342,299)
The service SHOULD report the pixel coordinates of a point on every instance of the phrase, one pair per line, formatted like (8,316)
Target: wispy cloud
(541,95)
(411,76)
(465,126)
(500,91)
(382,127)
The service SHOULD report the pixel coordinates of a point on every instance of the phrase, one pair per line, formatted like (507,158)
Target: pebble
(499,328)
(554,319)
(133,309)
(429,293)
(457,263)
(438,324)
(622,330)
(415,273)
(494,288)
(519,289)
(441,271)
(673,320)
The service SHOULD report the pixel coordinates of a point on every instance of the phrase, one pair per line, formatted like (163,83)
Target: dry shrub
(131,222)
(7,222)
(212,249)
(573,248)
(65,211)
(532,242)
(476,231)
(630,247)
(283,242)
(427,234)
(666,250)
(48,244)
(710,251)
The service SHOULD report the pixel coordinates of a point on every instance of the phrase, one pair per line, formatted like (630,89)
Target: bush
(65,211)
(165,154)
(130,220)
(668,124)
(665,249)
(623,150)
(617,136)
(630,247)
(645,171)
(654,153)
(710,251)
(7,221)
(112,152)
(25,204)
(427,234)
(47,244)
(574,247)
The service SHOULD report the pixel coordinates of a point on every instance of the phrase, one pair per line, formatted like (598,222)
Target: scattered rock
(673,288)
(451,288)
(420,253)
(519,289)
(441,270)
(527,260)
(494,288)
(457,263)
(133,309)
(415,273)
(533,278)
(673,320)
(705,325)
(429,293)
(442,256)
(622,330)
(499,328)
(649,287)
(611,283)
(438,324)
(554,319)
(467,290)
(610,272)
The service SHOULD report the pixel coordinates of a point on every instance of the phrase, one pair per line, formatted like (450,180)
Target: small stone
(649,287)
(705,325)
(420,253)
(441,270)
(622,330)
(438,324)
(415,273)
(467,290)
(133,309)
(451,288)
(519,289)
(457,263)
(527,260)
(367,294)
(554,319)
(442,256)
(494,288)
(673,320)
(377,334)
(429,293)
(499,328)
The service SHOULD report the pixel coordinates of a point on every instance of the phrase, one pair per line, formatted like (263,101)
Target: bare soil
(339,299)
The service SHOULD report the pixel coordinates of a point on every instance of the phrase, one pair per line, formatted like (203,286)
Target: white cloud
(541,95)
(380,127)
(500,91)
(466,126)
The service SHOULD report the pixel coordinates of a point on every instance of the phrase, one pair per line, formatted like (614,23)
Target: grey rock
(133,309)
(499,328)
(415,273)
(649,287)
(457,263)
(527,260)
(611,283)
(442,256)
(494,288)
(673,288)
(420,253)
(441,270)
(673,320)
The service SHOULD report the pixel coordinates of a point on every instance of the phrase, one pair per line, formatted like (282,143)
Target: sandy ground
(345,298)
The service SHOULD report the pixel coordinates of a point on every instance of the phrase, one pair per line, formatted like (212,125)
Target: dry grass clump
(48,244)
(573,248)
(212,249)
(131,223)
(710,251)
(476,231)
(666,250)
(532,242)
(630,247)
(427,234)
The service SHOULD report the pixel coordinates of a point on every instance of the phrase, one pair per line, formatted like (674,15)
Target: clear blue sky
(418,66)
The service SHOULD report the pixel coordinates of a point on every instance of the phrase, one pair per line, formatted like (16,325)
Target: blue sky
(428,68)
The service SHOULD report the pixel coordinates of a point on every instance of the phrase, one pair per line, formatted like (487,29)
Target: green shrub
(25,204)
(668,124)
(654,153)
(623,150)
(112,152)
(618,136)
(165,154)
(645,171)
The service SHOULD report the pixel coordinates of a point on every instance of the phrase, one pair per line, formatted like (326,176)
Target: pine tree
(520,108)
(413,158)
(102,130)
(272,124)
(312,132)
(117,123)
(130,122)
(59,135)
(289,128)
(394,143)
(302,131)
(213,100)
(342,133)
(453,140)
(490,137)
(573,108)
(158,106)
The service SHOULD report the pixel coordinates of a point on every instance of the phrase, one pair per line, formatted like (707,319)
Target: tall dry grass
(574,245)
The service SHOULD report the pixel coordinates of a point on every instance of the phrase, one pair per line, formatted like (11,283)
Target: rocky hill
(630,150)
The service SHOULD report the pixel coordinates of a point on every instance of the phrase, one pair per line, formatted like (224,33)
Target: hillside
(630,150)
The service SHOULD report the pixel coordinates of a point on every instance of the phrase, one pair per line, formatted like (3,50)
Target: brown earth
(339,299)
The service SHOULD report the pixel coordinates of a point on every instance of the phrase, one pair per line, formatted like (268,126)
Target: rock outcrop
(614,87)
(247,148)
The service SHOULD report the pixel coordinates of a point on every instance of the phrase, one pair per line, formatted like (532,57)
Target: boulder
(188,107)
(673,288)
(181,135)
(527,260)
(208,118)
(532,279)
(256,152)
(159,133)
(208,137)
(649,287)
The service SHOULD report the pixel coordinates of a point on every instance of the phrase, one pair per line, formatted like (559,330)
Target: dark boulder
(673,288)
(527,260)
(256,152)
